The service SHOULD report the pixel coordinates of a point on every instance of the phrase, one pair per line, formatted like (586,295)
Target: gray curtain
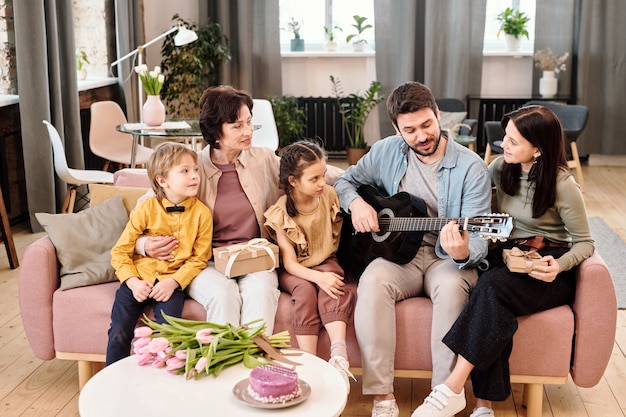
(44,43)
(252,28)
(437,42)
(128,34)
(601,81)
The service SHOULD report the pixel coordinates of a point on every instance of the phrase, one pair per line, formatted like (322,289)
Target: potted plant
(355,108)
(81,61)
(358,42)
(290,119)
(297,43)
(551,65)
(330,44)
(513,24)
(191,68)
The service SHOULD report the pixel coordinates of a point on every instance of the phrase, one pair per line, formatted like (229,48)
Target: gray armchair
(494,134)
(573,117)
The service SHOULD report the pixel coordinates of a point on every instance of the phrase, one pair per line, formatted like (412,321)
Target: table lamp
(183,37)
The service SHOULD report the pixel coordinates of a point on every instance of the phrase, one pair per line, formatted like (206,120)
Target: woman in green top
(534,186)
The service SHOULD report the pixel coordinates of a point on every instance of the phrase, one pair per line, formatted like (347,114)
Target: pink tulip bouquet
(196,348)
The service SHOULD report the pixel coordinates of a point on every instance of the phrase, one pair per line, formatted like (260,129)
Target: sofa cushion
(83,241)
(448,120)
(82,316)
(101,192)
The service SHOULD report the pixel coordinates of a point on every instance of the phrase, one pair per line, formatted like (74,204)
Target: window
(493,44)
(315,14)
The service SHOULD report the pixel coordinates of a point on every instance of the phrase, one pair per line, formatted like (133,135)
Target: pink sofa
(548,346)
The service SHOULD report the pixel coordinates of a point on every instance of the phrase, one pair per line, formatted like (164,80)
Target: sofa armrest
(595,317)
(38,279)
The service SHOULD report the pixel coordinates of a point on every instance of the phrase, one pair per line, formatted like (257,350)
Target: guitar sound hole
(384,224)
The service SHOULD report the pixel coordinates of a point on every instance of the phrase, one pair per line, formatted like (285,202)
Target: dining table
(188,130)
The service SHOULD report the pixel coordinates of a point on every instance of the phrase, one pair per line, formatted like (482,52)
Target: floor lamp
(183,37)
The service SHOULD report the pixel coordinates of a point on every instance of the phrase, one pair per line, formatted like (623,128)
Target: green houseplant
(330,44)
(290,119)
(355,108)
(81,61)
(513,22)
(357,38)
(297,43)
(191,68)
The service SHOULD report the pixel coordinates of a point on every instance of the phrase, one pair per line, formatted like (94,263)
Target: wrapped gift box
(245,258)
(521,261)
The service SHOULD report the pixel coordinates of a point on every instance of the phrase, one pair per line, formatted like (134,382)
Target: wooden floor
(31,387)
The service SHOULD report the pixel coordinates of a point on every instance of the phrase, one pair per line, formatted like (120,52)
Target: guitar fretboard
(421,224)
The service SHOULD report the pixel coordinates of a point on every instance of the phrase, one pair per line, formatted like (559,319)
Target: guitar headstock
(494,226)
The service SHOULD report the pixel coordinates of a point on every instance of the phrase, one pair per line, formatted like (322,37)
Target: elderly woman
(238,182)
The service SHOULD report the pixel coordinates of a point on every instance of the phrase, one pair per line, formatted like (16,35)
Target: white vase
(358,46)
(153,111)
(548,84)
(512,43)
(331,46)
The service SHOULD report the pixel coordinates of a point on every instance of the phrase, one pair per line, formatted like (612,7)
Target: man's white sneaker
(482,412)
(343,367)
(441,402)
(385,408)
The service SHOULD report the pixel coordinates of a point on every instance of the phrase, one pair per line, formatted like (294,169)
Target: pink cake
(273,384)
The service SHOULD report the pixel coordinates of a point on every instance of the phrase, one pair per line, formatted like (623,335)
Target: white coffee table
(127,389)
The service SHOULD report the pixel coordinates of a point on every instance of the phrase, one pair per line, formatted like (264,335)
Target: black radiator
(323,121)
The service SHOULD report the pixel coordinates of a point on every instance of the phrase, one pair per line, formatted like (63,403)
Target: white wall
(157,19)
(507,76)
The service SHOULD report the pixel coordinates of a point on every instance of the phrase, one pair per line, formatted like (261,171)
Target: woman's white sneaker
(441,402)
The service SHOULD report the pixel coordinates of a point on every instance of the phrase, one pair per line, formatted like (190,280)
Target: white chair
(263,116)
(73,177)
(107,142)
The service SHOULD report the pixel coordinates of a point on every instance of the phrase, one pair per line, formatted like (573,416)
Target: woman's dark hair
(219,105)
(294,159)
(408,98)
(540,126)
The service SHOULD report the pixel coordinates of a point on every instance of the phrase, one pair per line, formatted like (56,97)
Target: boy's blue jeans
(125,313)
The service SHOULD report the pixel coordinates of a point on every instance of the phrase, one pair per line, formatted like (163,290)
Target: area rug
(612,249)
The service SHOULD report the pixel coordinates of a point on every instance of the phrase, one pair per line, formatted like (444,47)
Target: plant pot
(82,74)
(512,43)
(354,154)
(548,84)
(153,111)
(297,45)
(358,46)
(331,46)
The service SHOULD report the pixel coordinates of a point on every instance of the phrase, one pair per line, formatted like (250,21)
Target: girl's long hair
(540,126)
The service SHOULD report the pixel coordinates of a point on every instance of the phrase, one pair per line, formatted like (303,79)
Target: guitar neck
(421,224)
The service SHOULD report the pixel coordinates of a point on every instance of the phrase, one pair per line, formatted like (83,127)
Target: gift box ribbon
(530,256)
(253,246)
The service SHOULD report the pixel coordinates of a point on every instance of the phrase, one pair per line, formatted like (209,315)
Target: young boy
(173,211)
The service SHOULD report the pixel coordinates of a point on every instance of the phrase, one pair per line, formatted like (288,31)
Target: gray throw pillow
(84,240)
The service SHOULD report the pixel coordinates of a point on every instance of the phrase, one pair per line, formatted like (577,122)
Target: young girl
(306,223)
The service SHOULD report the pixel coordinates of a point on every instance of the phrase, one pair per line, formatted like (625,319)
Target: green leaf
(252,361)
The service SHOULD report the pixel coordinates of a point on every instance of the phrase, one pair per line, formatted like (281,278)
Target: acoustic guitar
(399,217)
